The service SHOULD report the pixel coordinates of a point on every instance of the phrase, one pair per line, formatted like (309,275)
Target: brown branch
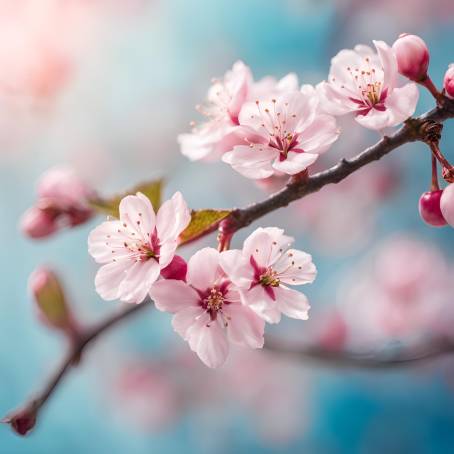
(24,419)
(371,360)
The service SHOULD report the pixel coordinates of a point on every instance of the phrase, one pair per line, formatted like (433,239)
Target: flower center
(214,301)
(269,279)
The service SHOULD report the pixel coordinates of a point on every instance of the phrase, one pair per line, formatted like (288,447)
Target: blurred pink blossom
(402,290)
(62,202)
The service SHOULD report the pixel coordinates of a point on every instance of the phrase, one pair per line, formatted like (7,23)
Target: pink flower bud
(50,300)
(38,223)
(176,269)
(429,208)
(22,421)
(448,81)
(447,204)
(412,57)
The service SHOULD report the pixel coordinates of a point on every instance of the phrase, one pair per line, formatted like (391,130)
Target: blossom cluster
(220,297)
(263,128)
(269,127)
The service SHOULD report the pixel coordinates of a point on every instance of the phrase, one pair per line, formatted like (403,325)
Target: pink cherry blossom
(208,310)
(264,269)
(282,134)
(62,201)
(135,248)
(225,98)
(365,83)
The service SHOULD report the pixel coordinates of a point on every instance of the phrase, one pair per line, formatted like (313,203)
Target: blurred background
(105,87)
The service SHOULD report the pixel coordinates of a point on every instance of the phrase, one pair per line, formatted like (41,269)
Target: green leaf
(109,206)
(202,223)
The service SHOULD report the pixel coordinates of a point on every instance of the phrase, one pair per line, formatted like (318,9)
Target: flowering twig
(413,130)
(24,419)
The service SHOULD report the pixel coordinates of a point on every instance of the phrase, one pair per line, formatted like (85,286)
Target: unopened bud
(448,82)
(429,208)
(50,300)
(412,57)
(176,269)
(38,223)
(447,204)
(22,421)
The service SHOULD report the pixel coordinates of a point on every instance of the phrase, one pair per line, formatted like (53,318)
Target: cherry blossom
(264,268)
(406,283)
(135,248)
(364,83)
(283,134)
(225,98)
(208,310)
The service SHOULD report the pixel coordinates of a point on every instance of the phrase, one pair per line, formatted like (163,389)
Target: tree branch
(24,419)
(412,131)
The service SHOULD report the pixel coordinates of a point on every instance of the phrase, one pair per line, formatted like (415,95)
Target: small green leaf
(202,223)
(109,206)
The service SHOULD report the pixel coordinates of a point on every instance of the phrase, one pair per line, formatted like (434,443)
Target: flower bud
(412,57)
(429,208)
(176,269)
(38,223)
(448,81)
(50,300)
(447,204)
(22,421)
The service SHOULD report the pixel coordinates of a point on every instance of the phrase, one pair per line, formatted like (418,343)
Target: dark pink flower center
(214,298)
(266,277)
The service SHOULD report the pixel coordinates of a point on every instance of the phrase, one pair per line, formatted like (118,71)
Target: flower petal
(109,277)
(319,135)
(244,328)
(266,245)
(171,295)
(295,162)
(389,64)
(208,339)
(138,280)
(295,267)
(261,303)
(204,269)
(402,103)
(237,267)
(137,212)
(292,303)
(173,217)
(106,238)
(185,318)
(251,162)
